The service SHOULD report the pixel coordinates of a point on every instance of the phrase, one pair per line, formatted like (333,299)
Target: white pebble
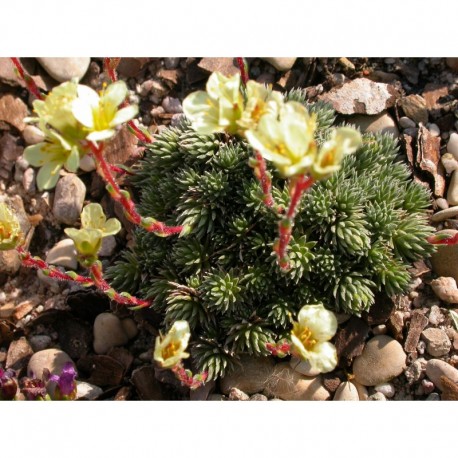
(387,389)
(452,145)
(434,130)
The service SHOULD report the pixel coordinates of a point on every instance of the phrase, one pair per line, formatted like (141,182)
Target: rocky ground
(404,348)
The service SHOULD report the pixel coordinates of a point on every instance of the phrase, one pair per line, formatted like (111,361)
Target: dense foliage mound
(354,234)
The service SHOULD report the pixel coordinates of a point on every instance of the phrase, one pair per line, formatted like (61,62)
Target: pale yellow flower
(218,108)
(170,350)
(288,140)
(93,217)
(55,112)
(310,336)
(99,113)
(51,155)
(94,226)
(260,100)
(87,241)
(10,230)
(343,141)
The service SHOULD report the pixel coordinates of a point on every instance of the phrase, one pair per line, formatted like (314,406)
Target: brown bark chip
(418,321)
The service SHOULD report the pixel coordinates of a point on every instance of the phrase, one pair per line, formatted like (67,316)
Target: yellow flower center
(170,350)
(305,336)
(4,233)
(329,159)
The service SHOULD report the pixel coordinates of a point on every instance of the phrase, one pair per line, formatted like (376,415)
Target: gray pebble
(406,122)
(40,342)
(69,199)
(433,397)
(377,397)
(172,105)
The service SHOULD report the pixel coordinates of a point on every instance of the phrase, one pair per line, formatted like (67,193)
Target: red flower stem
(298,186)
(124,199)
(187,379)
(264,179)
(110,65)
(443,239)
(36,263)
(28,80)
(243,67)
(124,299)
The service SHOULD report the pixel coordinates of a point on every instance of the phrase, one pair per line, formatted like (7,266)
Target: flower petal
(73,161)
(83,112)
(36,155)
(101,135)
(323,357)
(48,175)
(88,95)
(93,217)
(111,227)
(321,322)
(115,93)
(124,115)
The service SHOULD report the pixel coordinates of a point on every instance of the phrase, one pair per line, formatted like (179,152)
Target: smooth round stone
(63,253)
(108,333)
(85,390)
(387,389)
(445,289)
(442,203)
(172,105)
(452,193)
(406,122)
(69,199)
(33,135)
(52,359)
(449,162)
(452,145)
(445,259)
(250,376)
(362,391)
(303,367)
(39,342)
(287,384)
(282,64)
(108,246)
(65,68)
(377,397)
(436,368)
(130,327)
(434,130)
(382,123)
(448,213)
(346,392)
(383,358)
(87,163)
(437,341)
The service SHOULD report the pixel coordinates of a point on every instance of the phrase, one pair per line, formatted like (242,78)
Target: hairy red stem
(110,65)
(124,299)
(36,263)
(187,379)
(264,179)
(28,80)
(124,199)
(243,69)
(298,186)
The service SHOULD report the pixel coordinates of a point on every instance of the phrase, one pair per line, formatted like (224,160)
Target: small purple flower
(66,386)
(8,386)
